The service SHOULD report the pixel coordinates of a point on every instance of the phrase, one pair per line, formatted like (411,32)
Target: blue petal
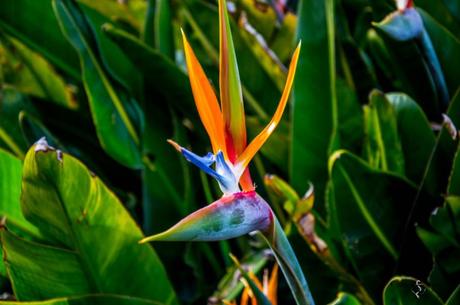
(203,163)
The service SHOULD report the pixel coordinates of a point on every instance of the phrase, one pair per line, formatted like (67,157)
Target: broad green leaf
(414,130)
(161,75)
(112,57)
(447,48)
(96,299)
(314,112)
(33,75)
(409,291)
(10,193)
(19,19)
(117,11)
(148,30)
(383,146)
(439,10)
(163,28)
(11,105)
(350,130)
(370,209)
(10,207)
(437,171)
(405,69)
(345,299)
(116,131)
(94,240)
(166,87)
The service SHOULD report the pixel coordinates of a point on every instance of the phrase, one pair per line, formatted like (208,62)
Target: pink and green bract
(240,210)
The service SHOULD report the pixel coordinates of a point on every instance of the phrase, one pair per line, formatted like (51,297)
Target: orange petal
(244,159)
(245,297)
(273,286)
(246,181)
(205,100)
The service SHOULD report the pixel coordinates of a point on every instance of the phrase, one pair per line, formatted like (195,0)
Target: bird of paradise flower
(240,210)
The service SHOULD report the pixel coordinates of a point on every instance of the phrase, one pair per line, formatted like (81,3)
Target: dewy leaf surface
(94,239)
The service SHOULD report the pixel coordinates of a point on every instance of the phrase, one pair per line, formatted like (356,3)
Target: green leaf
(443,241)
(112,57)
(350,131)
(148,30)
(35,76)
(100,299)
(163,28)
(414,131)
(10,193)
(11,137)
(161,75)
(116,131)
(440,11)
(454,178)
(10,207)
(409,291)
(447,48)
(168,87)
(91,241)
(314,113)
(288,263)
(404,67)
(437,171)
(228,288)
(19,19)
(455,297)
(129,15)
(383,146)
(345,299)
(370,209)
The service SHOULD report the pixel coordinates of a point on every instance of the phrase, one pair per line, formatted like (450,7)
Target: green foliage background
(105,83)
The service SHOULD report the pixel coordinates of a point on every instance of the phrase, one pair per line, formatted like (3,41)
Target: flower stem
(435,67)
(289,264)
